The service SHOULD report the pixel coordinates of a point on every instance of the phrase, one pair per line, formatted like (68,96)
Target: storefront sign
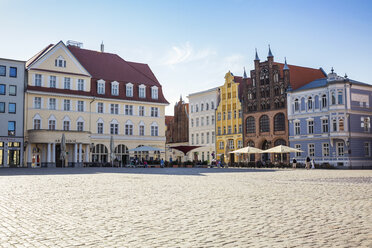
(67,141)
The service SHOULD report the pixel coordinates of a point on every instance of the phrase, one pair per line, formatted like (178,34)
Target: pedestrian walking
(294,163)
(162,163)
(312,164)
(307,163)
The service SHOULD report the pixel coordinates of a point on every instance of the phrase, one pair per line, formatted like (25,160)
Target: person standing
(312,164)
(294,163)
(307,163)
(162,163)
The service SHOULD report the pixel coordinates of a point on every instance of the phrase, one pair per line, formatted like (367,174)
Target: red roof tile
(299,76)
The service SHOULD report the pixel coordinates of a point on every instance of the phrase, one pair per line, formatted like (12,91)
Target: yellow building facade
(229,136)
(60,100)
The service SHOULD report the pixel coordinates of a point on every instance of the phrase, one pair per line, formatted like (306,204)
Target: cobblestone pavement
(110,207)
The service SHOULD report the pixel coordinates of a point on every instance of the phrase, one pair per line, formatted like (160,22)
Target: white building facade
(202,123)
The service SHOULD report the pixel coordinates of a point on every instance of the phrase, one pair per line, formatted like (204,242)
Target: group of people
(308,162)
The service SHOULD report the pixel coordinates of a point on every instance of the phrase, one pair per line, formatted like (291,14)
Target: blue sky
(190,45)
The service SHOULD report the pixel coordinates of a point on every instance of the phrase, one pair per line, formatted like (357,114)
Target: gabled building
(330,120)
(265,102)
(229,135)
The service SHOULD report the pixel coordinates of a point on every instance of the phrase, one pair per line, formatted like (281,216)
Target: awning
(184,149)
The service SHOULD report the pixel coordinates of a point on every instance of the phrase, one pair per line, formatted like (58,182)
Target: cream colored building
(90,96)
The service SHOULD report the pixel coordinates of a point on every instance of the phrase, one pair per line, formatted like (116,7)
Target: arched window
(250,143)
(276,91)
(324,101)
(279,122)
(212,105)
(276,77)
(310,103)
(122,154)
(250,125)
(280,142)
(100,153)
(333,98)
(207,106)
(264,124)
(277,104)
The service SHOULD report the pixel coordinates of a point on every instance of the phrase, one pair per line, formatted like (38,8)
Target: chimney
(102,47)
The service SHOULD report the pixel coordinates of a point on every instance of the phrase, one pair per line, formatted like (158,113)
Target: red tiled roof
(299,76)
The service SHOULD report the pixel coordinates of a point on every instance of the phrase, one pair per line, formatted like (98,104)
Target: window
(340,148)
(128,109)
(114,128)
(192,108)
(324,101)
(52,81)
(229,115)
(100,128)
(206,106)
(311,150)
(81,84)
(298,146)
(207,120)
(221,146)
(154,92)
(141,130)
(67,84)
(37,102)
(192,122)
(212,137)
(240,128)
(80,126)
(231,144)
(212,119)
(297,128)
(142,92)
(197,138)
(2,70)
(12,90)
(80,106)
(229,129)
(12,108)
(202,138)
(310,127)
(128,129)
(339,97)
(141,110)
(11,128)
(325,150)
(296,105)
(333,98)
(66,125)
(115,88)
(129,90)
(52,103)
(2,107)
(192,139)
(2,89)
(240,144)
(235,130)
(219,130)
(341,124)
(101,87)
(37,124)
(201,107)
(367,149)
(264,124)
(366,123)
(197,122)
(325,125)
(37,79)
(154,130)
(154,112)
(196,108)
(218,116)
(66,105)
(224,115)
(114,109)
(52,125)
(309,103)
(212,105)
(279,122)
(334,125)
(207,140)
(60,62)
(100,107)
(240,114)
(202,121)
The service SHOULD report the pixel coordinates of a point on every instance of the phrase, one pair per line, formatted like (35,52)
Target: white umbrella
(281,149)
(112,150)
(248,150)
(63,149)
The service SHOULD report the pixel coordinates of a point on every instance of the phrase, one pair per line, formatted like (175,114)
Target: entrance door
(232,158)
(58,156)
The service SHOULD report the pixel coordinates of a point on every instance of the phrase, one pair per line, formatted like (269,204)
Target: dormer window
(142,92)
(114,88)
(60,62)
(129,90)
(101,86)
(154,92)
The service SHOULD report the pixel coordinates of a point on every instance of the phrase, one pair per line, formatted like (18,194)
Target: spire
(257,58)
(244,74)
(102,47)
(270,54)
(332,70)
(285,64)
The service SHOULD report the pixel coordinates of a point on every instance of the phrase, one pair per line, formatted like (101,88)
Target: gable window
(115,88)
(67,83)
(101,87)
(52,81)
(37,79)
(81,84)
(324,101)
(129,90)
(128,109)
(142,92)
(141,110)
(66,105)
(60,62)
(264,124)
(154,112)
(100,107)
(154,92)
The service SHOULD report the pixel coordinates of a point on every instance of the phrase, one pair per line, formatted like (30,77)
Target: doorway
(58,156)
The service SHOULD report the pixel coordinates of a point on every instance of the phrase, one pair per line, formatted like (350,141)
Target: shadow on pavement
(150,171)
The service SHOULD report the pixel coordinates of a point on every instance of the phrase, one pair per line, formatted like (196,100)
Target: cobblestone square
(114,207)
